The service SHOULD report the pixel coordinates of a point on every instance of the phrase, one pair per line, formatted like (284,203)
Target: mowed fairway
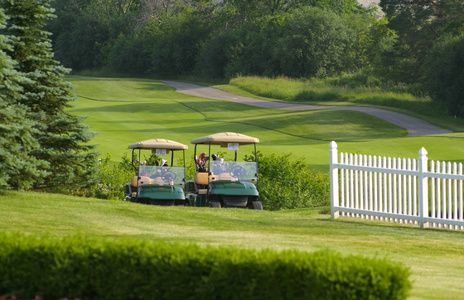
(435,257)
(124,111)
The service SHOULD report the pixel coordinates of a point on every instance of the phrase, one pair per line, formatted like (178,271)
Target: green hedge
(86,268)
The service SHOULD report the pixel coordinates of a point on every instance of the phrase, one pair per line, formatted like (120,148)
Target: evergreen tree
(62,137)
(17,169)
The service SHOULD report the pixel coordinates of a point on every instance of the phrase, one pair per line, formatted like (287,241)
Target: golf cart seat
(158,180)
(222,176)
(201,178)
(142,181)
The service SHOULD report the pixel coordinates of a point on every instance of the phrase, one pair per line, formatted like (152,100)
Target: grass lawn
(125,111)
(435,257)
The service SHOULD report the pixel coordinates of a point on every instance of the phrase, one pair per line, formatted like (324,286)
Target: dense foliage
(213,38)
(423,28)
(294,38)
(42,144)
(84,268)
(444,73)
(18,170)
(287,184)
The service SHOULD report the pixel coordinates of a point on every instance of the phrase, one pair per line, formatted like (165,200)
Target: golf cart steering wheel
(169,176)
(237,171)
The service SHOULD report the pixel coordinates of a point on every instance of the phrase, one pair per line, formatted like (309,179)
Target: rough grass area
(347,90)
(435,257)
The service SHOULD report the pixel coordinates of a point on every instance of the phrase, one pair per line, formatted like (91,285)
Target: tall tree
(17,169)
(62,137)
(444,73)
(419,24)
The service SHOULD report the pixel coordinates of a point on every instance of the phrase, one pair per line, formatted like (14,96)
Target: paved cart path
(414,126)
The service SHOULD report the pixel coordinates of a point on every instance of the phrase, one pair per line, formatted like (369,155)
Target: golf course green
(125,111)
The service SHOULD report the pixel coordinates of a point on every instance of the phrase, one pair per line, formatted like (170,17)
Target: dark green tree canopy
(444,73)
(419,24)
(168,38)
(17,169)
(62,137)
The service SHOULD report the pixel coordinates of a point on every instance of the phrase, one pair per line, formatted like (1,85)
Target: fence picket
(448,190)
(455,193)
(443,194)
(432,191)
(460,192)
(406,188)
(439,206)
(342,183)
(358,182)
(376,207)
(414,191)
(371,191)
(394,188)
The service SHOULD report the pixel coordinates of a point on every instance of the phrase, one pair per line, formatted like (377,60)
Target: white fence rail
(397,189)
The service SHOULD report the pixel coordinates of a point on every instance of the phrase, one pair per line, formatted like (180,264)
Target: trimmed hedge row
(86,268)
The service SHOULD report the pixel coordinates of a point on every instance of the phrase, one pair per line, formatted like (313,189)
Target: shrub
(78,267)
(287,184)
(110,180)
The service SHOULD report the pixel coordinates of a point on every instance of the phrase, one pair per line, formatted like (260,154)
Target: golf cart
(219,183)
(160,184)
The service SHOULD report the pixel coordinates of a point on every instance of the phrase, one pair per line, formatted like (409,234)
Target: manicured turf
(124,111)
(435,257)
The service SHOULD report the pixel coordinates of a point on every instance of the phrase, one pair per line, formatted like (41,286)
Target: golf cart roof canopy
(159,144)
(224,138)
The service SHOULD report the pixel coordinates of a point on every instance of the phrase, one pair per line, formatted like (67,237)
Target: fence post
(423,189)
(334,194)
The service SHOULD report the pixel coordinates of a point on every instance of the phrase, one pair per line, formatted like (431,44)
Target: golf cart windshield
(231,170)
(163,175)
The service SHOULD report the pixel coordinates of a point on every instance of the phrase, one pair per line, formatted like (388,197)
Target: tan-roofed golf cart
(162,183)
(220,183)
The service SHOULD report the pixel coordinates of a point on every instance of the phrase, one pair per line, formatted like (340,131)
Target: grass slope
(435,257)
(124,111)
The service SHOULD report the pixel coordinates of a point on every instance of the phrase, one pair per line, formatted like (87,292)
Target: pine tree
(62,137)
(17,169)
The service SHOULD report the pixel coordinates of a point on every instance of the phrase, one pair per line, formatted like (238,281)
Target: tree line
(42,146)
(419,43)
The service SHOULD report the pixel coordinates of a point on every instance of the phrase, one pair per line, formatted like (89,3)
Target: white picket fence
(397,189)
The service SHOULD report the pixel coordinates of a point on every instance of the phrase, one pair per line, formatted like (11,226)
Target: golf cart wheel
(257,205)
(215,204)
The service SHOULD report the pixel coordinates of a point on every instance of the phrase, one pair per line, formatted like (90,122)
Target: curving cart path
(414,126)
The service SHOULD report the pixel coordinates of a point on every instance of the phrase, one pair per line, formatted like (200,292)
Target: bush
(77,267)
(286,184)
(110,180)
